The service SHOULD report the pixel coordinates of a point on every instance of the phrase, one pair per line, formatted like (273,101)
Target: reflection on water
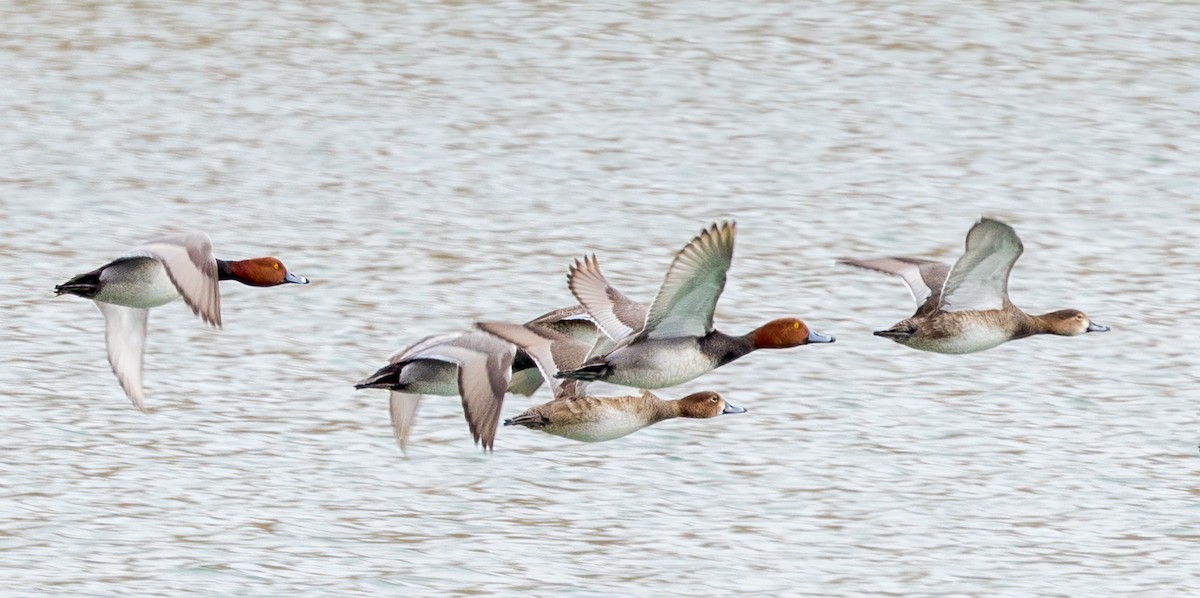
(432,165)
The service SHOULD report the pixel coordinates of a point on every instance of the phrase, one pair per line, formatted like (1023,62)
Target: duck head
(784,333)
(1069,322)
(703,405)
(258,272)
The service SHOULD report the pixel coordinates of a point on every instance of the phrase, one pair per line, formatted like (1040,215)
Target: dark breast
(724,348)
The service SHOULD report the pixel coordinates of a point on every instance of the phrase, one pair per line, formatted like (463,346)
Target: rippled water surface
(431,164)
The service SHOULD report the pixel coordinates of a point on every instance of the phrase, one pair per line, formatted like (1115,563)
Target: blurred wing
(125,339)
(403,408)
(415,349)
(482,379)
(979,280)
(688,297)
(617,316)
(572,321)
(923,277)
(551,351)
(193,270)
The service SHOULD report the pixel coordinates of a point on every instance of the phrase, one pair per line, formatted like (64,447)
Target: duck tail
(529,420)
(587,373)
(388,377)
(897,333)
(84,285)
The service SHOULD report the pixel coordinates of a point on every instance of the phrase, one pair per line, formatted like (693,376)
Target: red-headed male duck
(677,341)
(965,309)
(575,415)
(156,273)
(475,366)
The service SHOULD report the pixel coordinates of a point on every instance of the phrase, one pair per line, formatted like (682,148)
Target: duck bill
(292,278)
(817,337)
(731,409)
(1094,327)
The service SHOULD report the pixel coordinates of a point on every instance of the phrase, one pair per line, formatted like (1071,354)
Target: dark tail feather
(388,378)
(896,334)
(84,285)
(587,373)
(529,420)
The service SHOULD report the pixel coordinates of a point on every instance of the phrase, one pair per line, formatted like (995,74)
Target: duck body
(427,377)
(589,419)
(661,363)
(423,368)
(959,332)
(675,341)
(599,419)
(965,308)
(135,282)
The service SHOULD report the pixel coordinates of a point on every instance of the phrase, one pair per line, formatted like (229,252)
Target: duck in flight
(675,341)
(578,416)
(475,366)
(156,273)
(965,308)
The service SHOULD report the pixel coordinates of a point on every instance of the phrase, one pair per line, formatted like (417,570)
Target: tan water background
(430,164)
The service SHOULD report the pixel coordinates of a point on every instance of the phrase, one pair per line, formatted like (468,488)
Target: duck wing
(688,297)
(402,406)
(192,269)
(979,279)
(125,339)
(924,278)
(616,315)
(574,321)
(551,351)
(484,367)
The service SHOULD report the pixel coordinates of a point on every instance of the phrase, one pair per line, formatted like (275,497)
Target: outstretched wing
(190,264)
(550,350)
(923,277)
(979,279)
(403,409)
(483,376)
(688,297)
(573,321)
(617,316)
(125,339)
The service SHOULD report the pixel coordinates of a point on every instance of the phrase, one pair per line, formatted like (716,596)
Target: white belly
(658,364)
(975,338)
(613,423)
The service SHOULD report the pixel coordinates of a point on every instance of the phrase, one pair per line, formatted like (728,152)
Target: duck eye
(796,325)
(275,265)
(714,399)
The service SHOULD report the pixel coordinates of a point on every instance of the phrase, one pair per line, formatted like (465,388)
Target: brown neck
(1031,325)
(666,409)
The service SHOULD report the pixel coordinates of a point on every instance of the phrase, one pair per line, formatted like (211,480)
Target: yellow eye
(276,265)
(796,325)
